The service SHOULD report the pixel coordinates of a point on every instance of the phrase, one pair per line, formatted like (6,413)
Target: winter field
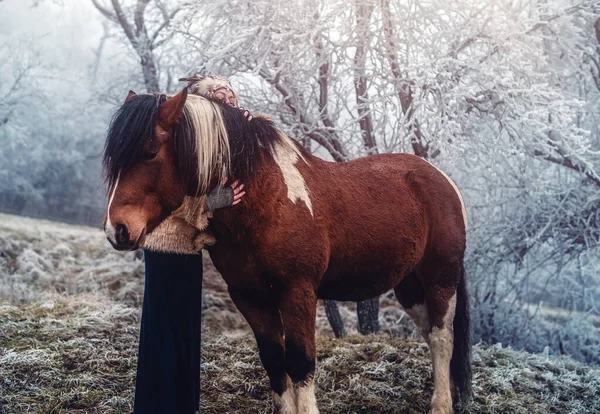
(69,318)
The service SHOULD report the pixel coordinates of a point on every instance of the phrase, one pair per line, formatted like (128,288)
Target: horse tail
(460,364)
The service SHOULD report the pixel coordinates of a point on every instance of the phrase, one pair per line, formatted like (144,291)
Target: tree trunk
(150,72)
(367,311)
(368,316)
(136,32)
(364,10)
(334,318)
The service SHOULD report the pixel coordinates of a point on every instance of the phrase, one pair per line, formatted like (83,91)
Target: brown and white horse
(307,229)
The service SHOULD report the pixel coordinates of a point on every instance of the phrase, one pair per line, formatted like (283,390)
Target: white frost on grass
(37,357)
(38,257)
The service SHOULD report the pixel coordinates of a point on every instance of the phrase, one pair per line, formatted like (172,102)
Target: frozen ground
(69,315)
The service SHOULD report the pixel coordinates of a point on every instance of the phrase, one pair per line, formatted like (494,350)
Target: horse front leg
(298,308)
(262,314)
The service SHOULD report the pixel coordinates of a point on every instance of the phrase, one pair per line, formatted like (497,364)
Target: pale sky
(67,33)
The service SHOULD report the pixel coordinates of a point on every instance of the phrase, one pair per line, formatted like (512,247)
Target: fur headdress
(213,87)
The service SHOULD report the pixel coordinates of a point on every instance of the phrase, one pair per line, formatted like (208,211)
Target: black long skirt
(168,372)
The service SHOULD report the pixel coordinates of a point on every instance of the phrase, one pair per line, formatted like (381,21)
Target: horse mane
(212,141)
(201,144)
(130,127)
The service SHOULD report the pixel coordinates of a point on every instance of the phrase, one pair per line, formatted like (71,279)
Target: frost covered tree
(20,66)
(145,25)
(48,167)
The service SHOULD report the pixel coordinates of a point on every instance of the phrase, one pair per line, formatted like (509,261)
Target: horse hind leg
(449,340)
(441,310)
(411,295)
(431,299)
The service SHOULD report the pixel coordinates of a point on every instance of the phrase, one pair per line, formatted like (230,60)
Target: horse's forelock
(131,126)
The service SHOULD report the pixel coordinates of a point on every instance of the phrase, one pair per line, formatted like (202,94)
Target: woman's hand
(238,192)
(221,196)
(246,113)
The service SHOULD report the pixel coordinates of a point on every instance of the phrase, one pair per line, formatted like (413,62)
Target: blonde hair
(212,143)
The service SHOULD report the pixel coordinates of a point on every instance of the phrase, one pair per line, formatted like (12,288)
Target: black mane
(131,126)
(247,139)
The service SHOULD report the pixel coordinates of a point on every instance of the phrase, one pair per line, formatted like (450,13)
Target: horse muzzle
(120,237)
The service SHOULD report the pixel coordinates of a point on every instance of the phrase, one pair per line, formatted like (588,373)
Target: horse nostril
(121,234)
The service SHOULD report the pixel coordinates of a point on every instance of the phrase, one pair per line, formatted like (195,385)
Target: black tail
(460,365)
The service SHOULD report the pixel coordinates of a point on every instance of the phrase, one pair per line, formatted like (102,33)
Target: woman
(168,372)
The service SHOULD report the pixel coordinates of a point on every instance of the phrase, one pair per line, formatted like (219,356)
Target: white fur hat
(212,87)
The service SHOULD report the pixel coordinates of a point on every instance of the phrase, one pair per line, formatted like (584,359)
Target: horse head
(144,180)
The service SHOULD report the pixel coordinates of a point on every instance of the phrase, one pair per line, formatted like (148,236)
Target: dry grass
(68,343)
(77,354)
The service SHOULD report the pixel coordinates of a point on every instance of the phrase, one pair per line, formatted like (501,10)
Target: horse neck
(264,186)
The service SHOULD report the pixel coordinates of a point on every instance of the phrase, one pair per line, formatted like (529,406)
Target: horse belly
(357,279)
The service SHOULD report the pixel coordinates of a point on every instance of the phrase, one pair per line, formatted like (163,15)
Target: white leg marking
(110,229)
(286,403)
(441,344)
(286,157)
(453,184)
(306,402)
(420,316)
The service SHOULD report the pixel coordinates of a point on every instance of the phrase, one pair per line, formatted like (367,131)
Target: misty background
(503,96)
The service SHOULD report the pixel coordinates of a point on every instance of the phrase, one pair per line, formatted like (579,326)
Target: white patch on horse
(306,402)
(420,316)
(110,229)
(286,403)
(286,157)
(441,345)
(460,197)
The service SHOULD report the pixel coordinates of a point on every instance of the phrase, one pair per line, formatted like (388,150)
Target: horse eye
(147,156)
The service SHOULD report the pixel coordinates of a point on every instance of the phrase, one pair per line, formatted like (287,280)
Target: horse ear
(130,96)
(170,111)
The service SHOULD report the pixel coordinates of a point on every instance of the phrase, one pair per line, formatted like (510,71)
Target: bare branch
(566,162)
(105,12)
(122,20)
(138,18)
(570,10)
(403,87)
(163,9)
(165,23)
(138,38)
(325,138)
(99,50)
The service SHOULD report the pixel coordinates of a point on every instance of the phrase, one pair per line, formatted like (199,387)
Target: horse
(307,229)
